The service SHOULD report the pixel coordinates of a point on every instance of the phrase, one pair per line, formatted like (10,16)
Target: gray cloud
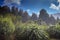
(12,1)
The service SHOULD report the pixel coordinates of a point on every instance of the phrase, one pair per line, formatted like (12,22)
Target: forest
(19,25)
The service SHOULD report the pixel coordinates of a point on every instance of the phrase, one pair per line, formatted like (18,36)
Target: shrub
(6,27)
(54,31)
(30,31)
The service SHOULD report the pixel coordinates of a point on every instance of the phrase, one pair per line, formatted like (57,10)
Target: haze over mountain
(56,15)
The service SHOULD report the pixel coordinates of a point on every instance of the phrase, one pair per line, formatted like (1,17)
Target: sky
(52,6)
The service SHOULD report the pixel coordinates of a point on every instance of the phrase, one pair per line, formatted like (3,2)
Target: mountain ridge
(56,15)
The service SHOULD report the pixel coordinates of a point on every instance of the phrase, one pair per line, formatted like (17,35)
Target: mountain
(56,15)
(46,18)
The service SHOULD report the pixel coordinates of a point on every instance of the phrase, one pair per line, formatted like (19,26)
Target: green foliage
(22,31)
(6,27)
(31,31)
(7,23)
(54,31)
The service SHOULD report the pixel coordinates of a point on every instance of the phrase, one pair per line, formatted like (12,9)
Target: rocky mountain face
(43,16)
(52,20)
(34,17)
(25,17)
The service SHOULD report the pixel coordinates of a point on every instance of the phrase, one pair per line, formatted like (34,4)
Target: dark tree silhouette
(4,10)
(20,13)
(15,10)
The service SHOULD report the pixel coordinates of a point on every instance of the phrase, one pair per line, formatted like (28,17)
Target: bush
(54,31)
(30,31)
(6,27)
(21,31)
